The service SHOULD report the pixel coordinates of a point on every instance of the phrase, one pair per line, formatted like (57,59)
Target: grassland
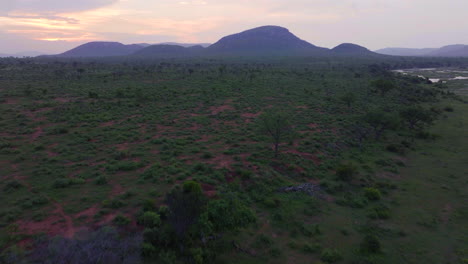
(86,143)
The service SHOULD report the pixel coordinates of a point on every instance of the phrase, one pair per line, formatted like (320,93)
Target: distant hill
(164,50)
(450,51)
(23,54)
(186,45)
(264,40)
(351,49)
(261,41)
(405,51)
(446,51)
(102,49)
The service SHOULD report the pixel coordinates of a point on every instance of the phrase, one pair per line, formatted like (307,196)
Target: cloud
(52,6)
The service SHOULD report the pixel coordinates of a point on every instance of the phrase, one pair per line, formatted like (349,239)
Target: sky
(54,26)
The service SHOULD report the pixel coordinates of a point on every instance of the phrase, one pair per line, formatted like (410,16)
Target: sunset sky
(53,26)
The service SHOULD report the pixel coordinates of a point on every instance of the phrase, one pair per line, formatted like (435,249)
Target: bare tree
(277,126)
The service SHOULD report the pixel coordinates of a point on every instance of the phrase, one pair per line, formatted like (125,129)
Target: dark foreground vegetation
(306,160)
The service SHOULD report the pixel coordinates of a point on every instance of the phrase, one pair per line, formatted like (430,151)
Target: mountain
(186,45)
(405,51)
(351,49)
(261,41)
(163,50)
(458,50)
(23,54)
(102,49)
(266,40)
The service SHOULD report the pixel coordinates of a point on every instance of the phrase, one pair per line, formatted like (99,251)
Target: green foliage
(381,121)
(331,255)
(346,171)
(383,86)
(101,180)
(121,220)
(150,219)
(416,117)
(65,182)
(370,245)
(228,214)
(379,212)
(372,194)
(12,186)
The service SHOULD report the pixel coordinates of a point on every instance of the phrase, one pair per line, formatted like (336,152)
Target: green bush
(12,185)
(372,194)
(346,172)
(379,212)
(121,220)
(150,219)
(370,244)
(101,180)
(311,248)
(331,255)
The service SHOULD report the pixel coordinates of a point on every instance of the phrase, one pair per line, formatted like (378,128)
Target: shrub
(372,194)
(12,185)
(114,204)
(379,212)
(331,255)
(346,172)
(448,109)
(61,183)
(101,180)
(370,244)
(148,205)
(311,248)
(121,220)
(150,219)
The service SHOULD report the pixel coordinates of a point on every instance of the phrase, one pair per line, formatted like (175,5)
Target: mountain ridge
(457,50)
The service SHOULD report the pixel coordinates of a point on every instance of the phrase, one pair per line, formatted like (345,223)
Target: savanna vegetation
(305,160)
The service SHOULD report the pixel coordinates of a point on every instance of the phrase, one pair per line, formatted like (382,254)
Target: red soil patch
(11,101)
(209,190)
(218,109)
(90,212)
(52,154)
(95,163)
(122,147)
(251,115)
(62,100)
(446,213)
(116,189)
(57,223)
(305,155)
(204,138)
(37,133)
(141,170)
(221,161)
(313,126)
(163,129)
(195,127)
(107,124)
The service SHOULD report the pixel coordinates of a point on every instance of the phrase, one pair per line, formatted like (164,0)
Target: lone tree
(185,206)
(416,117)
(381,121)
(277,126)
(348,98)
(383,86)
